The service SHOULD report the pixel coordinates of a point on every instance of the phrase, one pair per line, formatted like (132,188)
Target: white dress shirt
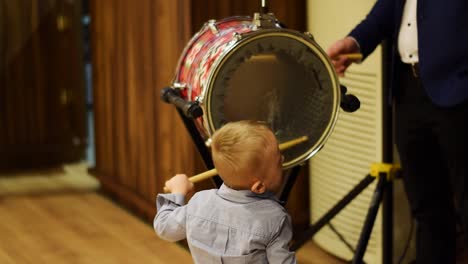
(408,36)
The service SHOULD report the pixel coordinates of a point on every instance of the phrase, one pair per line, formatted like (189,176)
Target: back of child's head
(238,149)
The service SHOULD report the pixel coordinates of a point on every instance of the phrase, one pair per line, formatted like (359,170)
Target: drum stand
(383,192)
(385,172)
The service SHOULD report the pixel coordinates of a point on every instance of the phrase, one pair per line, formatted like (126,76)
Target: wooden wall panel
(140,141)
(42,108)
(292,13)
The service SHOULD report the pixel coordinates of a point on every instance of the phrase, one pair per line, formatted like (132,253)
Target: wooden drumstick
(353,56)
(292,142)
(213,172)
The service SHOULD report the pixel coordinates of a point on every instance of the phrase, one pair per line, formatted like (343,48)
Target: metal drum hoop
(251,36)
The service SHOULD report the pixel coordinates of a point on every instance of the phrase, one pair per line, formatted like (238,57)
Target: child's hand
(179,184)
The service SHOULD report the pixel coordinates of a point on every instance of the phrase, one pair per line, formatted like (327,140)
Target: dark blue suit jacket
(442,41)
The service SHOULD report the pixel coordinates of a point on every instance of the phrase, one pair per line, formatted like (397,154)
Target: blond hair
(238,149)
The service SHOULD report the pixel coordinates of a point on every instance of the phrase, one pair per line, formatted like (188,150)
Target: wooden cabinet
(42,106)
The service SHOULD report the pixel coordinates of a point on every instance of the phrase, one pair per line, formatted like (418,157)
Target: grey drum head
(284,79)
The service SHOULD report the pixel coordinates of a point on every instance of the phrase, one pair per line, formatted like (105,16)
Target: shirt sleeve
(169,222)
(278,249)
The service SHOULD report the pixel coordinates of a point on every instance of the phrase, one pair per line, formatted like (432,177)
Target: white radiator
(343,162)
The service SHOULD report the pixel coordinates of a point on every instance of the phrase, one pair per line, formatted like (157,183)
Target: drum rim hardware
(252,36)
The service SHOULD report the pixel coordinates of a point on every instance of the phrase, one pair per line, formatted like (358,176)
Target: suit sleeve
(378,25)
(278,249)
(169,222)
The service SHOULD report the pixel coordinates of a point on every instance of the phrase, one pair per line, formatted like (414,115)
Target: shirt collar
(243,196)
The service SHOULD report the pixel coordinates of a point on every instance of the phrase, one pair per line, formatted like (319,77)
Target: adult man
(429,76)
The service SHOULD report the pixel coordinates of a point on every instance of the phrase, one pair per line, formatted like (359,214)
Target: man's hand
(179,184)
(341,47)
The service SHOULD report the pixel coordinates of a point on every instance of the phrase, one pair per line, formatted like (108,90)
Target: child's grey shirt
(227,226)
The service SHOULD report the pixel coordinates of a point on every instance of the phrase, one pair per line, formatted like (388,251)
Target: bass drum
(237,70)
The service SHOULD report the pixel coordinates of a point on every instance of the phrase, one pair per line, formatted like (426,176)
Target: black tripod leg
(289,184)
(309,233)
(200,144)
(370,219)
(387,215)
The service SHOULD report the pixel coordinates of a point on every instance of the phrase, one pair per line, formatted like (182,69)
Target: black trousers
(433,147)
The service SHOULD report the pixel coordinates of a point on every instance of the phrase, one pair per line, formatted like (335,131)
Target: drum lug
(208,143)
(237,36)
(199,99)
(179,85)
(264,21)
(213,27)
(308,34)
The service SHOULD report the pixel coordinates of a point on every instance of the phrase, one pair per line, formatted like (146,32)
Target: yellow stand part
(388,169)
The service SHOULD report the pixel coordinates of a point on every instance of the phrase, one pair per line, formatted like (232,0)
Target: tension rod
(264,8)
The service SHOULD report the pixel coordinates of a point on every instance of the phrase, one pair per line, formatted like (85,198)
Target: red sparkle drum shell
(237,71)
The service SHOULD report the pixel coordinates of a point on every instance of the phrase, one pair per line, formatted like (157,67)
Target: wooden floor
(88,228)
(73,177)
